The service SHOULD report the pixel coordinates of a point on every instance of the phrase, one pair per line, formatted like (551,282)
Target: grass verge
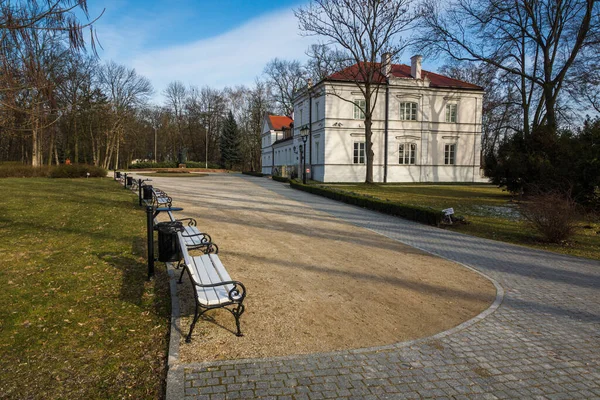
(491,213)
(79,319)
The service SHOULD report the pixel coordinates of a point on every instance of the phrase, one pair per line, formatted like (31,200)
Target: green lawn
(491,213)
(78,318)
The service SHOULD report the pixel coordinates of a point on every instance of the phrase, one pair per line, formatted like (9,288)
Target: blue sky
(209,42)
(216,43)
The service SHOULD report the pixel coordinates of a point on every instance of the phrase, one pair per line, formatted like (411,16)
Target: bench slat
(220,270)
(210,261)
(193,240)
(213,296)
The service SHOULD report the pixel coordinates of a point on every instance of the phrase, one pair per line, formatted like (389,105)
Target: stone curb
(175,373)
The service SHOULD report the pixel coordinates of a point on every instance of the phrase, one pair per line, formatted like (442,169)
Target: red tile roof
(403,71)
(279,122)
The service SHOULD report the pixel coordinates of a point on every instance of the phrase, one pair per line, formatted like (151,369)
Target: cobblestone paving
(542,342)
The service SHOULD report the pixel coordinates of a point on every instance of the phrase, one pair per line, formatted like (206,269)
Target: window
(316,152)
(300,118)
(359,106)
(450,112)
(359,152)
(450,154)
(317,111)
(408,111)
(406,152)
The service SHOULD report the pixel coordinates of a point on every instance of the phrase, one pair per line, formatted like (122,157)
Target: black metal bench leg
(181,276)
(237,313)
(197,315)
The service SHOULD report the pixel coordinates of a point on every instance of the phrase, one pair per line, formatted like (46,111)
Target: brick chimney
(415,66)
(386,64)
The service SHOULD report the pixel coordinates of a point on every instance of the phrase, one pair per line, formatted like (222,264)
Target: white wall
(337,130)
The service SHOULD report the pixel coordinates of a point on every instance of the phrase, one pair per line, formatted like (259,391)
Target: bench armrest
(155,200)
(191,221)
(206,235)
(236,294)
(206,247)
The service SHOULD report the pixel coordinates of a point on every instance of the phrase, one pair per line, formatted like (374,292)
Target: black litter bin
(147,192)
(168,245)
(129,180)
(118,175)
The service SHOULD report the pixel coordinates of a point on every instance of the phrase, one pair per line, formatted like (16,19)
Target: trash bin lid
(169,227)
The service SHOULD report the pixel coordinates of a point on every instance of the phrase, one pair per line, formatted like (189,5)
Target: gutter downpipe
(387,115)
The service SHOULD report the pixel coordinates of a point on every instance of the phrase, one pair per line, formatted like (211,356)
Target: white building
(432,134)
(277,150)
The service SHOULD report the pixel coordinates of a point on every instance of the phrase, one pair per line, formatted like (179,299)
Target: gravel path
(543,341)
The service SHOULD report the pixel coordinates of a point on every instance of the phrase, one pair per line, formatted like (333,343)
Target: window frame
(407,153)
(449,116)
(450,154)
(358,113)
(413,109)
(356,154)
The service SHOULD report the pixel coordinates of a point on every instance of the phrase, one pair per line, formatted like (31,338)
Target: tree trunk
(51,147)
(35,158)
(95,157)
(369,154)
(76,137)
(117,152)
(550,104)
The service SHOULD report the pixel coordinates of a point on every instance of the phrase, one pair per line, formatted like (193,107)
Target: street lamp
(304,131)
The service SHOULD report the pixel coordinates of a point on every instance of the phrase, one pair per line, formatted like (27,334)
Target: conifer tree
(230,142)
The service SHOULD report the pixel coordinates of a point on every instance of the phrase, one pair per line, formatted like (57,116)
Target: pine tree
(230,142)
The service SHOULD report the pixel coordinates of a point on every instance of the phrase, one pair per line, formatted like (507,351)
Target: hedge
(423,215)
(253,173)
(17,170)
(77,171)
(172,164)
(281,178)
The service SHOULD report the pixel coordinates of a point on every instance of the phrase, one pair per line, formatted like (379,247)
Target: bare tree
(18,19)
(363,30)
(500,108)
(324,61)
(175,94)
(537,42)
(285,77)
(125,90)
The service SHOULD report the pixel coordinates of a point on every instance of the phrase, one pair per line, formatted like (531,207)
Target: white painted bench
(159,199)
(213,287)
(192,237)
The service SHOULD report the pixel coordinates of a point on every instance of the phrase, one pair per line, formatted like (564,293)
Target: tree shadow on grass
(134,279)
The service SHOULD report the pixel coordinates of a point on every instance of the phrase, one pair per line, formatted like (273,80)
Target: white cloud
(233,58)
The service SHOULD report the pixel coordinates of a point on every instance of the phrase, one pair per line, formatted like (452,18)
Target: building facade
(276,144)
(426,127)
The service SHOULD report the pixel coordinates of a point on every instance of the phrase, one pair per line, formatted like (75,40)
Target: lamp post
(155,136)
(304,132)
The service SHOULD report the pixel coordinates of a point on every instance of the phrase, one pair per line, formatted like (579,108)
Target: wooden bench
(213,287)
